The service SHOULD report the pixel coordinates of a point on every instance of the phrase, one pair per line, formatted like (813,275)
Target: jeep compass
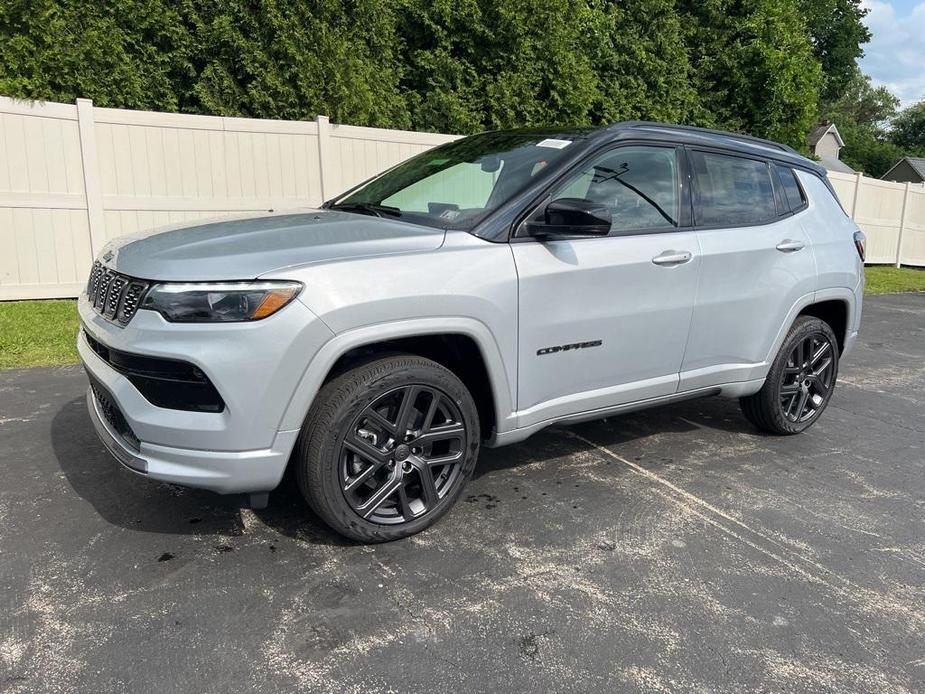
(469,297)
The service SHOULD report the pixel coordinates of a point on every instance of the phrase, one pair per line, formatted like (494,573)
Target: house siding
(827,146)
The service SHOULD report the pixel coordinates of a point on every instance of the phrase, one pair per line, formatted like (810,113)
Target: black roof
(687,134)
(681,134)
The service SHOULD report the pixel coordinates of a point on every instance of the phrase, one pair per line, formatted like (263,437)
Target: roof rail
(705,131)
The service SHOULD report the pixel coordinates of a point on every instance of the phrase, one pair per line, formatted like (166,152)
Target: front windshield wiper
(615,176)
(367,208)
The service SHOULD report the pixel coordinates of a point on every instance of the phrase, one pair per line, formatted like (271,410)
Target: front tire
(387,448)
(800,383)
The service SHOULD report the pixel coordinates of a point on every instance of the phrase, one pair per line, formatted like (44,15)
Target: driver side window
(639,183)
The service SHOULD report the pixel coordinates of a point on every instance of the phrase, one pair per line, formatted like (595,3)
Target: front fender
(316,372)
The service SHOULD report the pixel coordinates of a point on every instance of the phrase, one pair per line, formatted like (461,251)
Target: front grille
(113,295)
(112,414)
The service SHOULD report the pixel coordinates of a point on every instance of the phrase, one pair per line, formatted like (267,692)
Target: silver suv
(471,296)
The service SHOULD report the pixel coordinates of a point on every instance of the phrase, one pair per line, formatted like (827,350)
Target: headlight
(219,302)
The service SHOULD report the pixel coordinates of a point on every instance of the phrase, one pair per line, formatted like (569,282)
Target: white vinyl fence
(74,176)
(892,216)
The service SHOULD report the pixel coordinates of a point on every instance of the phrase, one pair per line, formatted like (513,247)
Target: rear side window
(731,190)
(793,194)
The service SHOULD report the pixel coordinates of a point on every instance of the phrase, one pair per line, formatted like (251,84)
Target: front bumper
(254,366)
(220,471)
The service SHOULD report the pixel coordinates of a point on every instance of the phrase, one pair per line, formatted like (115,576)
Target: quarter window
(731,190)
(639,184)
(793,194)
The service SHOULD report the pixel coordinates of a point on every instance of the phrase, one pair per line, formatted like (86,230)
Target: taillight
(860,243)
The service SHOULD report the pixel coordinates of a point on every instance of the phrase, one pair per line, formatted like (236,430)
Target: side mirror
(572,217)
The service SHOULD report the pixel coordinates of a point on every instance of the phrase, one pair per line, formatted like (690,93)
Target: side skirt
(517,435)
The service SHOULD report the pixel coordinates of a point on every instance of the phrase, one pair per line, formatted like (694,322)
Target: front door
(604,320)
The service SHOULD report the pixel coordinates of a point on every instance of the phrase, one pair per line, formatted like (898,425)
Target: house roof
(820,131)
(833,164)
(917,164)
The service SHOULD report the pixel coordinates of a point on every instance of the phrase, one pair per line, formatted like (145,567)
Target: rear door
(604,320)
(756,264)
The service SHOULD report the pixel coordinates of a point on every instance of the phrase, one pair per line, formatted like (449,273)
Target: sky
(895,56)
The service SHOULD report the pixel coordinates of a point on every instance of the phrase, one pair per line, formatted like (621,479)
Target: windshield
(456,185)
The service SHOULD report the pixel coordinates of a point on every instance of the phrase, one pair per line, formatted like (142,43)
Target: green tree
(640,58)
(861,114)
(132,54)
(754,67)
(838,32)
(862,103)
(868,151)
(447,65)
(477,64)
(908,129)
(293,60)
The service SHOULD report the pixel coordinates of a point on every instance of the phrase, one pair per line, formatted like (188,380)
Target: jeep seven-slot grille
(114,296)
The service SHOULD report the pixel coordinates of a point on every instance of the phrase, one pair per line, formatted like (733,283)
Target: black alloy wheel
(807,377)
(800,382)
(402,454)
(387,447)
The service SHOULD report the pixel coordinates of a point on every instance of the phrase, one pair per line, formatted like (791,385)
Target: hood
(245,248)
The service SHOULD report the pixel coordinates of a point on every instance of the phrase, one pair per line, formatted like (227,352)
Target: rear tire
(387,448)
(800,383)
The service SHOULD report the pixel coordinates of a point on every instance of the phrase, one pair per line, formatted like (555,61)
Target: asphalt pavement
(669,550)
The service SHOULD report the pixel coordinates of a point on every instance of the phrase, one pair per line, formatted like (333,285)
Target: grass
(38,333)
(43,333)
(882,279)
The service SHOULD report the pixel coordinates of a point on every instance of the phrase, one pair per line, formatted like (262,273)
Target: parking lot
(669,550)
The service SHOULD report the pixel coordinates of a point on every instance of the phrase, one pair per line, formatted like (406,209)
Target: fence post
(857,190)
(902,226)
(325,172)
(93,188)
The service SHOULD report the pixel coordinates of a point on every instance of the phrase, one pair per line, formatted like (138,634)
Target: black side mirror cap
(572,217)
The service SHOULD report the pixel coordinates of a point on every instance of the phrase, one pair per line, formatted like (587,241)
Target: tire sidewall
(328,433)
(804,327)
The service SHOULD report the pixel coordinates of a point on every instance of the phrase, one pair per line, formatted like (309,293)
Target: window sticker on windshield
(438,162)
(555,144)
(449,214)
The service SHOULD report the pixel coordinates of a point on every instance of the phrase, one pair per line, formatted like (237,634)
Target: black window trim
(731,153)
(780,195)
(685,223)
(789,211)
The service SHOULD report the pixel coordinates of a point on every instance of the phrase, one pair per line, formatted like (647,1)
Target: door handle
(672,258)
(789,246)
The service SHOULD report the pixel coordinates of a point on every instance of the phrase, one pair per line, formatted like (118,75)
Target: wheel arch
(465,346)
(835,312)
(825,301)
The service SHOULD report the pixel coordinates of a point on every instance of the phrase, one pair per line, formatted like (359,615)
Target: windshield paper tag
(555,144)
